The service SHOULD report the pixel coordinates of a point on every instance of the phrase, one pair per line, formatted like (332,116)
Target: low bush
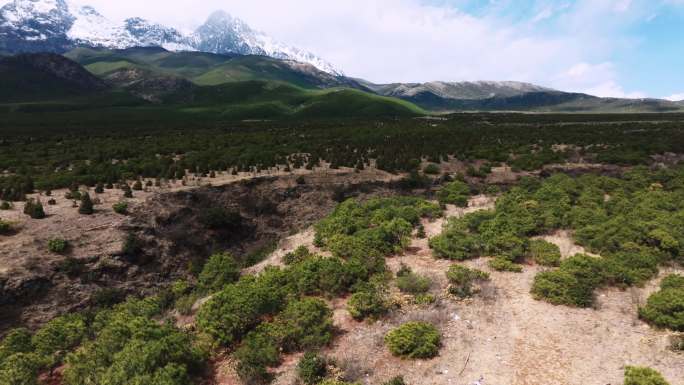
(5,206)
(677,343)
(5,227)
(415,340)
(20,369)
(34,209)
(431,169)
(219,270)
(304,324)
(643,376)
(86,205)
(455,193)
(16,341)
(412,283)
(369,302)
(120,207)
(545,253)
(298,255)
(398,380)
(258,352)
(665,308)
(312,368)
(461,280)
(59,336)
(57,245)
(503,264)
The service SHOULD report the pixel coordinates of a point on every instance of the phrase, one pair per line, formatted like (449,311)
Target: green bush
(130,347)
(414,340)
(431,169)
(369,302)
(412,283)
(455,193)
(461,280)
(59,336)
(120,207)
(298,255)
(562,288)
(5,206)
(258,352)
(57,245)
(643,376)
(665,308)
(545,253)
(5,227)
(20,369)
(312,368)
(398,380)
(34,209)
(303,324)
(503,264)
(16,341)
(86,205)
(219,270)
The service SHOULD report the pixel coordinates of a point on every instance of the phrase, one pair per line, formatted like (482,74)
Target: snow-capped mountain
(458,90)
(57,26)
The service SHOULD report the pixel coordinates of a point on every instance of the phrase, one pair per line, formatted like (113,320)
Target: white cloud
(594,79)
(675,97)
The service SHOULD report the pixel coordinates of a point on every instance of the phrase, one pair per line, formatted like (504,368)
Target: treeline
(52,158)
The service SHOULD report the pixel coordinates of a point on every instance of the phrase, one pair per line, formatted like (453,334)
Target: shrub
(16,341)
(461,280)
(300,254)
(503,264)
(414,340)
(369,302)
(412,283)
(431,169)
(120,208)
(398,380)
(312,368)
(304,324)
(677,343)
(455,193)
(57,245)
(137,186)
(5,206)
(257,353)
(643,376)
(562,288)
(34,209)
(219,270)
(108,297)
(86,205)
(665,307)
(5,227)
(59,336)
(20,369)
(545,253)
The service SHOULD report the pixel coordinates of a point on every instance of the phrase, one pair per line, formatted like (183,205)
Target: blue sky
(621,48)
(642,40)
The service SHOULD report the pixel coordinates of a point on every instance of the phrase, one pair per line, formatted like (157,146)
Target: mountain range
(58,26)
(159,64)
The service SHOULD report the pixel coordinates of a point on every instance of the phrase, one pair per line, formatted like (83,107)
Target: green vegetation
(86,206)
(312,368)
(412,283)
(368,302)
(299,255)
(665,307)
(455,193)
(431,169)
(6,227)
(57,245)
(461,280)
(34,209)
(415,340)
(633,222)
(545,253)
(120,208)
(643,376)
(219,270)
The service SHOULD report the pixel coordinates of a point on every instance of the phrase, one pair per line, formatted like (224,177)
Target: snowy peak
(56,26)
(459,90)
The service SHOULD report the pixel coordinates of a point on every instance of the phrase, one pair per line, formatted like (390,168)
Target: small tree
(312,368)
(86,206)
(57,245)
(414,340)
(219,270)
(99,189)
(120,208)
(34,209)
(138,186)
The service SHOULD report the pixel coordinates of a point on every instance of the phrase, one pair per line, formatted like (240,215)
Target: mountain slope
(57,26)
(31,77)
(209,69)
